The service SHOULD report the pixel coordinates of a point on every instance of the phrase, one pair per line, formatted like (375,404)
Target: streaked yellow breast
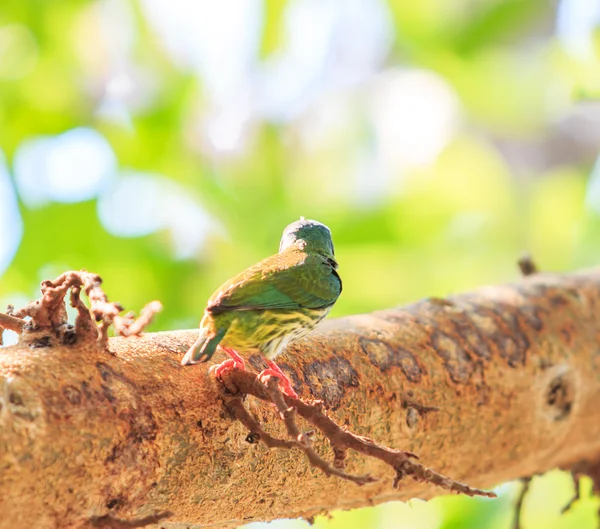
(269,331)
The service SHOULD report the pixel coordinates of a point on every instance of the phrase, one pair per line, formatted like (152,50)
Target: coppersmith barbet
(272,303)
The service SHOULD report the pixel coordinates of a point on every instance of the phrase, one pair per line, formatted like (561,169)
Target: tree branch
(485,387)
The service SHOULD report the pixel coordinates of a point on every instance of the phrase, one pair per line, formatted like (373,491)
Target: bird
(272,303)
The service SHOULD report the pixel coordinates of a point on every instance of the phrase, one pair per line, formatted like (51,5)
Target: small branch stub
(527,266)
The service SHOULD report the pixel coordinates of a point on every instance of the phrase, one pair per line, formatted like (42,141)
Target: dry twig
(11,323)
(288,414)
(236,407)
(236,383)
(576,495)
(519,503)
(49,313)
(585,467)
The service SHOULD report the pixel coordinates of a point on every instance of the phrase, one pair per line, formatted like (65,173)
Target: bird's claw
(228,365)
(284,382)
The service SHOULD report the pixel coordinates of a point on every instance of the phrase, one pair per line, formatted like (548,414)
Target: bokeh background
(164,144)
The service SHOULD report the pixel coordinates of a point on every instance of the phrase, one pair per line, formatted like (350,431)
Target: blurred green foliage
(514,173)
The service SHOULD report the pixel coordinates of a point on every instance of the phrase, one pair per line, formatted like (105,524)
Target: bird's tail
(204,347)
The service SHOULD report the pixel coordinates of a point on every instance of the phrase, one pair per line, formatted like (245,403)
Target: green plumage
(275,301)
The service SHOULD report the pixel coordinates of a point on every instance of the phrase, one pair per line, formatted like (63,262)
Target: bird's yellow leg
(236,362)
(284,382)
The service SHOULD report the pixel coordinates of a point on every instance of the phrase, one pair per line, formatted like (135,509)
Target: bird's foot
(235,356)
(236,362)
(228,365)
(284,382)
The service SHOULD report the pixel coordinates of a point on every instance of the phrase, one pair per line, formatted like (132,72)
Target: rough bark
(485,387)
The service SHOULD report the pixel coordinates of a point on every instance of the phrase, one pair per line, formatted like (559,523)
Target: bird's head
(308,235)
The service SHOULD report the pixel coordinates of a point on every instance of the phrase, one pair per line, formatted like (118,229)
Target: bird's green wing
(281,282)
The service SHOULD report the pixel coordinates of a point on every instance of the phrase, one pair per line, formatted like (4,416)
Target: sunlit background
(164,144)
